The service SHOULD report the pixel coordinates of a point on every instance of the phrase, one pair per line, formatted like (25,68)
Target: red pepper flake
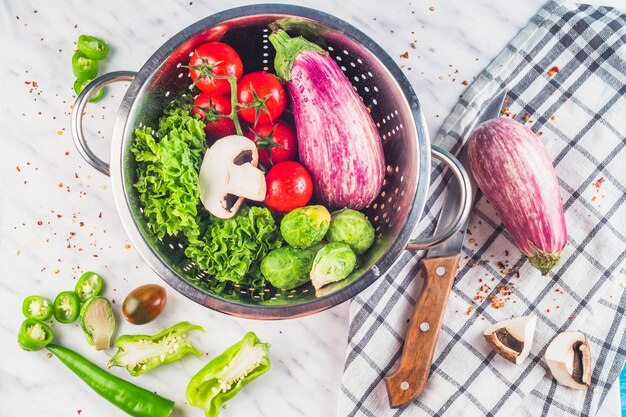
(431,8)
(59,132)
(552,117)
(81,224)
(599,182)
(67,153)
(17,168)
(127,246)
(547,310)
(526,117)
(60,185)
(39,222)
(552,71)
(469,310)
(405,55)
(79,412)
(464,82)
(414,45)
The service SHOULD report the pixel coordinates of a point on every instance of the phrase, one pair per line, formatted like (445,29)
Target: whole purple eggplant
(514,171)
(338,141)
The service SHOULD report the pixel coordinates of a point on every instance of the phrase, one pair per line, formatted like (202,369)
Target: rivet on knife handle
(407,382)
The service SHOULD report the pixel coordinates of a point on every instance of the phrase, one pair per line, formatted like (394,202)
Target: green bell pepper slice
(225,375)
(142,353)
(34,335)
(89,285)
(37,307)
(66,307)
(84,68)
(93,47)
(79,86)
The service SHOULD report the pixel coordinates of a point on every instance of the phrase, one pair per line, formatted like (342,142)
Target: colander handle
(465,193)
(76,119)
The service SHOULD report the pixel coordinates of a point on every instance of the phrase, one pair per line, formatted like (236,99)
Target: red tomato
(219,59)
(269,135)
(262,97)
(216,127)
(289,186)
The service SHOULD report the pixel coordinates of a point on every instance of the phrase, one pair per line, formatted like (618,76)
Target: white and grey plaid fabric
(580,114)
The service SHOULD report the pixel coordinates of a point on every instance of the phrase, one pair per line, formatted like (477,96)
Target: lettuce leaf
(167,171)
(232,249)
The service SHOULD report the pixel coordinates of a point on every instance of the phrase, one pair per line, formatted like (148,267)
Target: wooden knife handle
(407,382)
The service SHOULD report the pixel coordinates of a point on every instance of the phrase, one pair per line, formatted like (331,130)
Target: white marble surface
(58,217)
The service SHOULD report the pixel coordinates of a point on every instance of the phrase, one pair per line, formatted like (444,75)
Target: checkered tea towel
(566,77)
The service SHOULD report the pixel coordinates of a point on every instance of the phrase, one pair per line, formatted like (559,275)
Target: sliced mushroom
(512,338)
(569,360)
(229,174)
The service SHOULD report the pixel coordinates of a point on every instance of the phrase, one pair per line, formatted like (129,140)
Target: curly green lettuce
(168,162)
(167,171)
(232,249)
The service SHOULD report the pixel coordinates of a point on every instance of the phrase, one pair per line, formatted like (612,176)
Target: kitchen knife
(440,265)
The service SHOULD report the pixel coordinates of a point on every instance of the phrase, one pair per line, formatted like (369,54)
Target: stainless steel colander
(377,79)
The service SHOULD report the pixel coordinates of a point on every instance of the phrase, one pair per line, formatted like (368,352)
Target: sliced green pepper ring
(37,307)
(84,68)
(89,285)
(93,47)
(79,86)
(66,307)
(34,335)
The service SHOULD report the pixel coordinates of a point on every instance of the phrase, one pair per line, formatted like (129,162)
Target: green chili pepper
(134,400)
(79,86)
(141,353)
(66,307)
(98,322)
(37,307)
(225,375)
(34,335)
(83,67)
(93,47)
(89,285)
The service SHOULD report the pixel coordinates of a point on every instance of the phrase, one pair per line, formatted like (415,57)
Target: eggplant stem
(544,261)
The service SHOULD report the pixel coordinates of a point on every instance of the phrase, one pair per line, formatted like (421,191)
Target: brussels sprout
(332,263)
(352,228)
(288,267)
(305,226)
(98,322)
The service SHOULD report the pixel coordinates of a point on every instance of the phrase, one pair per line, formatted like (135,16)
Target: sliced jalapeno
(84,67)
(37,307)
(89,285)
(66,307)
(79,86)
(34,335)
(93,47)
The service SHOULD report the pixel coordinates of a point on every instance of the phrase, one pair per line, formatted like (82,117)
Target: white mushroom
(512,338)
(569,360)
(229,174)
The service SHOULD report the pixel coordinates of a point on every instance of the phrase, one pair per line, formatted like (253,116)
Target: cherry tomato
(289,186)
(144,304)
(279,138)
(218,59)
(216,126)
(262,97)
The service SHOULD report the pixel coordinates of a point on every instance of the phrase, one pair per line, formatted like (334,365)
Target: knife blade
(440,265)
(451,204)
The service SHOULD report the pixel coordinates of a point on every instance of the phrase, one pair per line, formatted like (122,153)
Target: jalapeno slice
(34,335)
(79,86)
(89,285)
(93,47)
(37,307)
(66,307)
(84,67)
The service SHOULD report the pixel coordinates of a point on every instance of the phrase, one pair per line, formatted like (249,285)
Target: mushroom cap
(569,359)
(512,338)
(229,174)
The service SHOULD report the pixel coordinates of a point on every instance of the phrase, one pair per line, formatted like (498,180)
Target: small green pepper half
(37,307)
(66,307)
(225,375)
(89,285)
(93,47)
(34,335)
(98,322)
(79,86)
(84,68)
(141,353)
